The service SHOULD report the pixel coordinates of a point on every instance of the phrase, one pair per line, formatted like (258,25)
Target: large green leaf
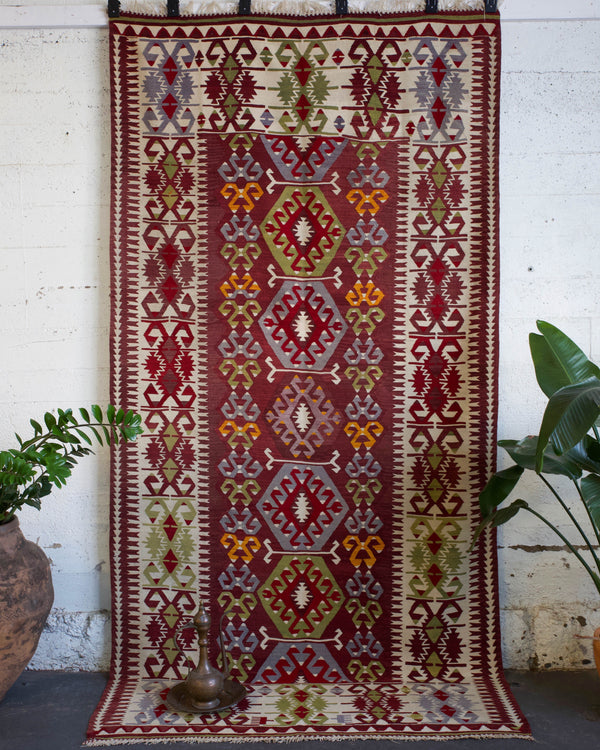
(586,454)
(590,489)
(549,373)
(569,414)
(558,361)
(505,514)
(523,452)
(498,488)
(497,518)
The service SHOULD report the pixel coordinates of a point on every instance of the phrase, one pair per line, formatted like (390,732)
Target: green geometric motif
(168,542)
(303,704)
(301,596)
(303,88)
(302,232)
(438,562)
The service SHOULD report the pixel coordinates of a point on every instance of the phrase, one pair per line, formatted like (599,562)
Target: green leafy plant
(568,445)
(29,472)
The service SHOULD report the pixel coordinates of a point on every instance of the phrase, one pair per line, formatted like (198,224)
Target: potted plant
(28,473)
(568,445)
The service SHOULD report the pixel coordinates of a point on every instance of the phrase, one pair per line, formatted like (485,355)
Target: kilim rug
(304,310)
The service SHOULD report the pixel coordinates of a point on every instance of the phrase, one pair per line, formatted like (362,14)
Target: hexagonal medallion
(301,596)
(302,232)
(303,507)
(303,325)
(303,417)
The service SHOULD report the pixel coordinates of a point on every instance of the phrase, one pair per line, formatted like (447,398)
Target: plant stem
(39,440)
(594,576)
(573,519)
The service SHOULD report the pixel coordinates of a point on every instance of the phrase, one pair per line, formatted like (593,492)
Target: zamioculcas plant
(29,471)
(568,444)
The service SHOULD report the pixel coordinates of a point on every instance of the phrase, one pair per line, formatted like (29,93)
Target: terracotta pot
(26,597)
(597,649)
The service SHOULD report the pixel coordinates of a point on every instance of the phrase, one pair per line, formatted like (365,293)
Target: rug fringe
(297,7)
(319,738)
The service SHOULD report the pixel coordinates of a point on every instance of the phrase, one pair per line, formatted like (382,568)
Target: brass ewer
(205,688)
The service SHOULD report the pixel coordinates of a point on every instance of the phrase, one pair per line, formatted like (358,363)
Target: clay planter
(597,649)
(26,596)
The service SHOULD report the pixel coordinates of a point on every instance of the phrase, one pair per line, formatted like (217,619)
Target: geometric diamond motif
(303,507)
(303,325)
(302,232)
(302,416)
(301,596)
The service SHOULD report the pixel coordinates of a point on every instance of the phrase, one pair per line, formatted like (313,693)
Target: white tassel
(384,6)
(295,7)
(145,7)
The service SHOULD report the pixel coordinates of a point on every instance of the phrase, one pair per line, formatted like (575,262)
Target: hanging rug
(304,291)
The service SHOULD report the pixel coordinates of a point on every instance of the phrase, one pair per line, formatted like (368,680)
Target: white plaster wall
(54,275)
(54,183)
(550,241)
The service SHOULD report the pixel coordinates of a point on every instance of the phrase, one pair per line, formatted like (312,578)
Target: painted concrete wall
(54,188)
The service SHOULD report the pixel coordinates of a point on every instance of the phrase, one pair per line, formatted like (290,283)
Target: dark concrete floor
(50,711)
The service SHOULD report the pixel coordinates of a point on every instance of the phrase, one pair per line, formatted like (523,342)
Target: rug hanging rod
(114,8)
(244,7)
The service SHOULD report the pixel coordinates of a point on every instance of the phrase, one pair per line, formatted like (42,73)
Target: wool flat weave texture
(304,310)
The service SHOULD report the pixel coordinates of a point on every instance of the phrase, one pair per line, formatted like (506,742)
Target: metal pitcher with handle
(205,688)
